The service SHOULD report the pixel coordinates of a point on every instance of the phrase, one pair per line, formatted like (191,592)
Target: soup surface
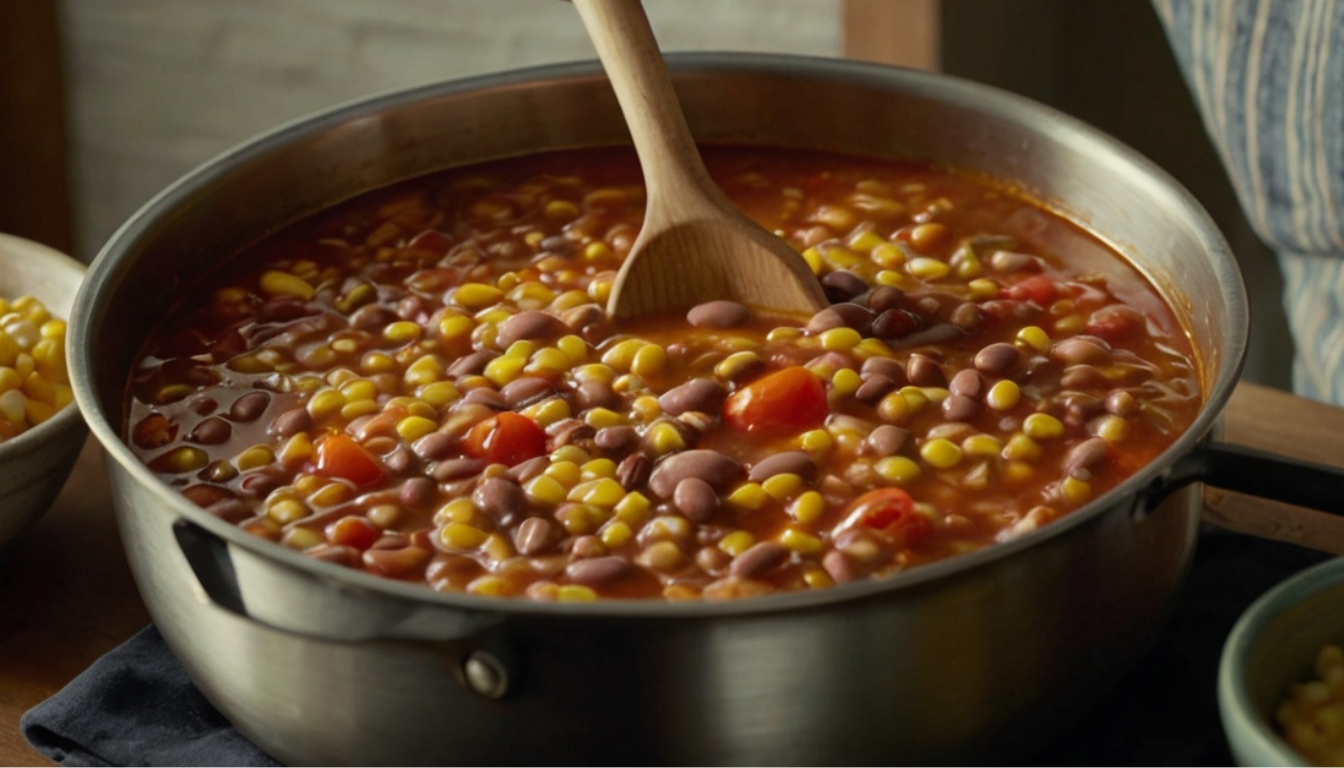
(423,383)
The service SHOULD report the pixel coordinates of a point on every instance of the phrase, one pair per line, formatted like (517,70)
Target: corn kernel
(1017,471)
(296,450)
(351,411)
(887,256)
(456,327)
(1042,426)
(599,418)
(549,359)
(983,289)
(622,354)
(598,468)
(456,511)
(575,348)
(840,339)
(748,496)
(1075,491)
(566,473)
(330,495)
(489,586)
(1035,337)
(546,490)
(664,438)
(325,402)
(872,348)
(926,268)
(438,394)
(646,407)
(504,369)
(594,372)
(895,408)
(813,258)
(570,300)
(462,536)
(782,486)
(897,469)
(801,542)
(277,283)
(1113,429)
(53,329)
(547,412)
(817,440)
(285,511)
(650,360)
(38,411)
(737,364)
(1020,447)
(254,457)
(413,428)
(982,445)
(575,593)
(634,508)
(865,241)
(737,542)
(783,333)
(616,534)
(1004,395)
(402,332)
(808,507)
(571,453)
(477,295)
(498,547)
(941,453)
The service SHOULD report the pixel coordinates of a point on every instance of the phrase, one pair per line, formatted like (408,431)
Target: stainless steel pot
(984,656)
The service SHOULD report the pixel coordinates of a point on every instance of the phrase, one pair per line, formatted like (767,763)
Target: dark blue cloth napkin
(136,705)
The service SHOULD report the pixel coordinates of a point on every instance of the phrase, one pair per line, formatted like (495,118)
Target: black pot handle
(1257,473)
(208,556)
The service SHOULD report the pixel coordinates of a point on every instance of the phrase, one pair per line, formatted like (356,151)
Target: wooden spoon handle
(629,52)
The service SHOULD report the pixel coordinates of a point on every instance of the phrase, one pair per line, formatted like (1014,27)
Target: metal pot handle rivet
(486,675)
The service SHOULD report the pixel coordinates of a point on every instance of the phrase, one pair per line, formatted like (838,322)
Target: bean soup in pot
(423,383)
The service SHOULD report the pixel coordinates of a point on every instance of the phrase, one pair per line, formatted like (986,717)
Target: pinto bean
(719,314)
(1012,261)
(418,492)
(434,446)
(249,407)
(717,469)
(528,470)
(959,407)
(885,366)
(598,571)
(967,315)
(595,394)
(696,499)
(584,315)
(761,557)
(1077,351)
(886,440)
(896,324)
(525,390)
(700,394)
(211,431)
(499,498)
(1121,403)
(885,297)
(634,470)
(968,382)
(789,462)
(530,324)
(534,536)
(487,397)
(291,423)
(837,564)
(456,469)
(874,388)
(618,439)
(924,371)
(371,316)
(471,364)
(996,358)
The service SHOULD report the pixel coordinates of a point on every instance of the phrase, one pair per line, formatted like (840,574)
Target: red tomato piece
(1040,289)
(785,402)
(508,439)
(340,456)
(1115,323)
(353,531)
(889,511)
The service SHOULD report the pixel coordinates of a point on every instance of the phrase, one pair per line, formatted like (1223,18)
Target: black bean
(719,314)
(696,499)
(418,492)
(996,358)
(634,471)
(534,536)
(968,382)
(699,394)
(500,499)
(789,462)
(896,324)
(250,406)
(597,571)
(525,390)
(211,431)
(456,469)
(618,439)
(885,297)
(842,285)
(434,446)
(759,558)
(530,324)
(718,469)
(959,407)
(886,440)
(924,371)
(874,388)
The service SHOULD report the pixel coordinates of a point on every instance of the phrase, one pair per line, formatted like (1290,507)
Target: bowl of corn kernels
(1281,676)
(41,430)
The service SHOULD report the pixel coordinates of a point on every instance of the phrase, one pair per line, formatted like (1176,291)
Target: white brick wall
(157,86)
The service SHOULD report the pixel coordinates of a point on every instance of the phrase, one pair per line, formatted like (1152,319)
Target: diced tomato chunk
(353,531)
(340,456)
(785,402)
(509,439)
(1040,289)
(1115,323)
(891,512)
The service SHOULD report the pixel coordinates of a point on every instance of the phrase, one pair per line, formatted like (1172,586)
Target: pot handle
(322,610)
(1254,472)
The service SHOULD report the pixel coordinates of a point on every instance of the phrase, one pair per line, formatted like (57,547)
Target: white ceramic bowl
(35,464)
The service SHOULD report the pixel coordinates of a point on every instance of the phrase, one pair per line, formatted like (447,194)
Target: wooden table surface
(66,595)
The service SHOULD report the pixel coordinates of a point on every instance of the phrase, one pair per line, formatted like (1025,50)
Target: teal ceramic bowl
(1273,645)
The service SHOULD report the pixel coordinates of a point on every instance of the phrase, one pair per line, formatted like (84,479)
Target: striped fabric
(1268,77)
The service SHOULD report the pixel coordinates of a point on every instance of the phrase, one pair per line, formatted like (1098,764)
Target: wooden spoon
(695,245)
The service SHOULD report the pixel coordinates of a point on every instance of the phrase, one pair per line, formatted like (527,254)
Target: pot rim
(95,296)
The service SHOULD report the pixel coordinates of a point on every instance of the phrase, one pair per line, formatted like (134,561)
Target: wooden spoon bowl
(695,245)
